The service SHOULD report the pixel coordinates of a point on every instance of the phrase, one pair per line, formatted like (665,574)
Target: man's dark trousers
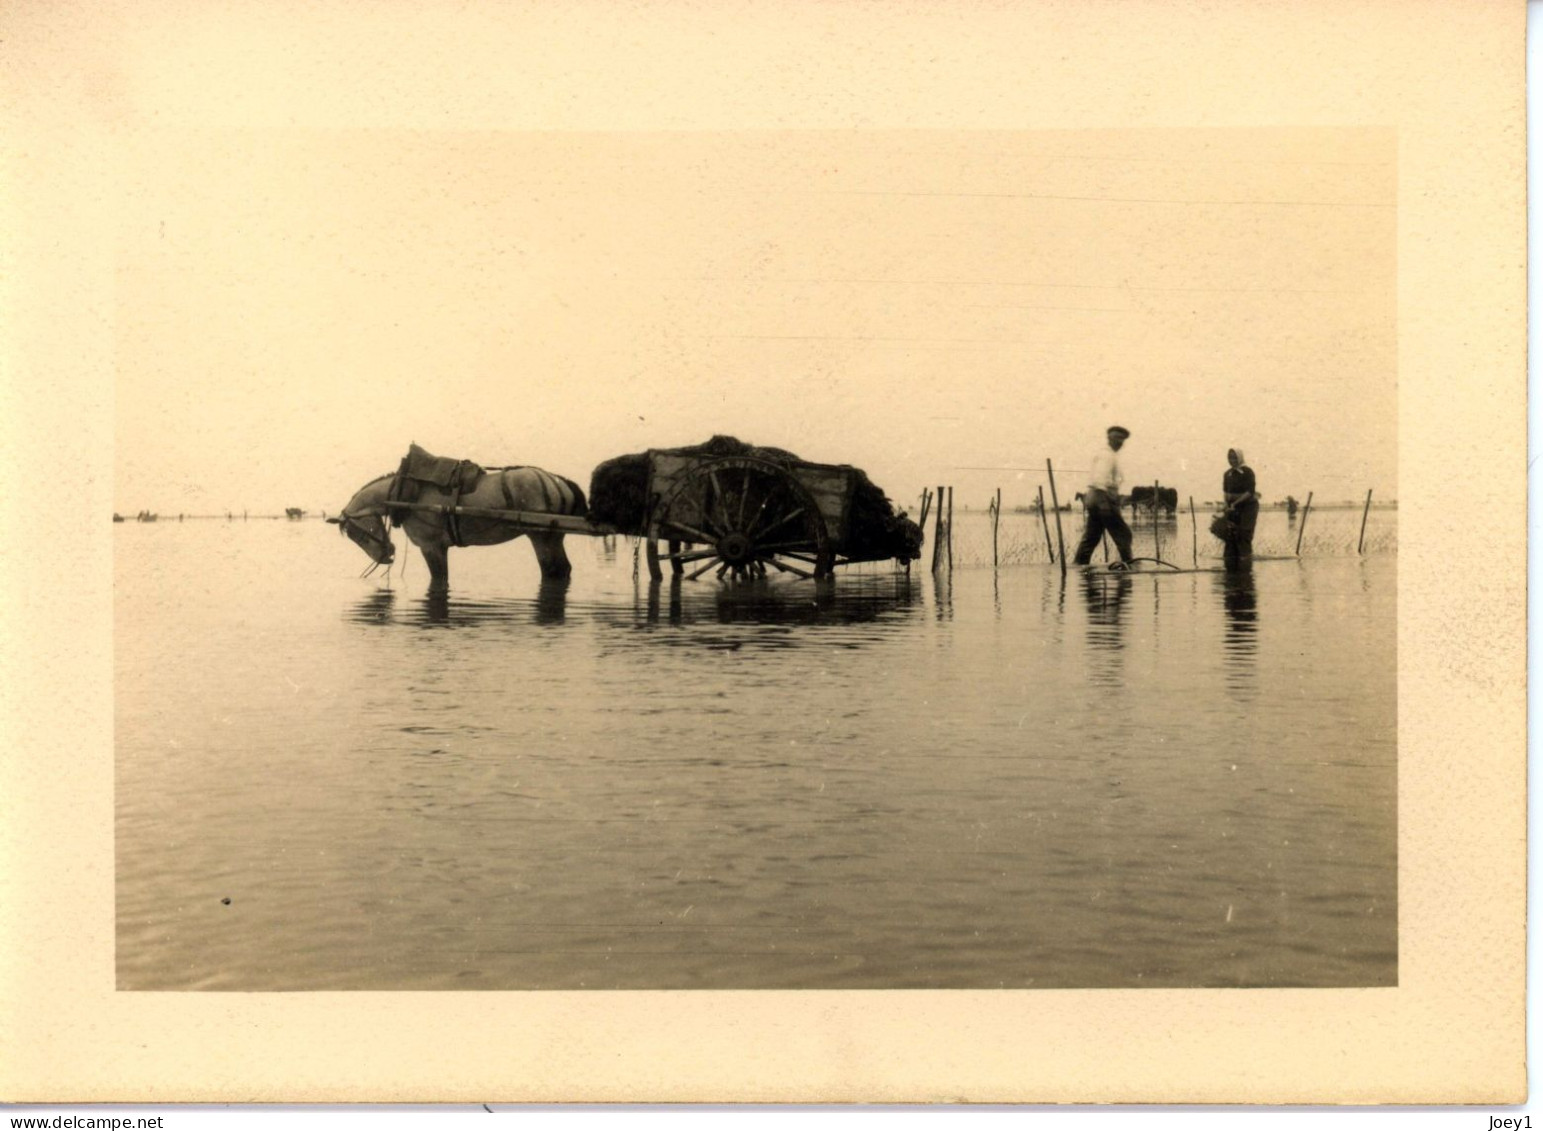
(1103,516)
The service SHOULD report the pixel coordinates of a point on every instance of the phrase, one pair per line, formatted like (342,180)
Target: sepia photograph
(792,560)
(806,553)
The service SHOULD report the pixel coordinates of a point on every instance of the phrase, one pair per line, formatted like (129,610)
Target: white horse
(364,519)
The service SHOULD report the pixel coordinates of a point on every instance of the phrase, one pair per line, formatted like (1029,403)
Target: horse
(364,519)
(1165,497)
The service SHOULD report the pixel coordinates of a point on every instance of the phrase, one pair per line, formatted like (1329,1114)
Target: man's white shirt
(1105,473)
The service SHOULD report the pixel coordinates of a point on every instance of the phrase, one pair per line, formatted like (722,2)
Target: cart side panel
(831,488)
(666,469)
(665,472)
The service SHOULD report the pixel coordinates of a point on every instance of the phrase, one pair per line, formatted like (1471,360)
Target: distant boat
(294,514)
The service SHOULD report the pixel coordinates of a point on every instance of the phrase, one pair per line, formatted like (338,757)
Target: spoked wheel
(738,518)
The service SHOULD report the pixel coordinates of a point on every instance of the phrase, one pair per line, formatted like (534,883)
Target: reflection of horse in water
(438,610)
(364,519)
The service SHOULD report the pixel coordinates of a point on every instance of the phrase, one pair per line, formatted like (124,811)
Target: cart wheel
(737,517)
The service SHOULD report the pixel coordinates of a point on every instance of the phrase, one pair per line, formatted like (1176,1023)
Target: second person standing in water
(1242,512)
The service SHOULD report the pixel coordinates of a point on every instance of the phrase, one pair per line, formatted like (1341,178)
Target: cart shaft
(528,520)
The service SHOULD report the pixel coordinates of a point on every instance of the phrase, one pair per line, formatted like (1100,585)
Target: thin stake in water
(1060,538)
(996,513)
(1307,506)
(937,532)
(1194,535)
(951,528)
(1044,521)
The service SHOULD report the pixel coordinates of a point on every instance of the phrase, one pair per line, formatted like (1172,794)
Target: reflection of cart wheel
(738,517)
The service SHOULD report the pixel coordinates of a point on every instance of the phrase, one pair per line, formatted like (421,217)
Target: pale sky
(296,306)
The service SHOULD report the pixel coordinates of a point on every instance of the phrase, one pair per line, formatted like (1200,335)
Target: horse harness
(420,468)
(347,523)
(456,477)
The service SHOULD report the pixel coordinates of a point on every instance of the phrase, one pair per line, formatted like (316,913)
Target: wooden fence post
(1302,528)
(996,518)
(1060,537)
(951,528)
(1194,535)
(1044,520)
(937,531)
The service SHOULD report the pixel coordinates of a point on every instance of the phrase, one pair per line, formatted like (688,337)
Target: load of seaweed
(618,496)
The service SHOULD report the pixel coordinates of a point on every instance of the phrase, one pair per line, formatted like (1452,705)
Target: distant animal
(423,478)
(1167,498)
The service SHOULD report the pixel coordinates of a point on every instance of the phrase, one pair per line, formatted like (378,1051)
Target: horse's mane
(367,486)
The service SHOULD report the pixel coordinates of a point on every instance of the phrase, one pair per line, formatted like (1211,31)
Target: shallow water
(889,781)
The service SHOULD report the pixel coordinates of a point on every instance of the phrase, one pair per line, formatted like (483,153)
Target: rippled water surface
(890,781)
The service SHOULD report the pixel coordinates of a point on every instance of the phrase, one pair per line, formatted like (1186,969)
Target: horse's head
(363,522)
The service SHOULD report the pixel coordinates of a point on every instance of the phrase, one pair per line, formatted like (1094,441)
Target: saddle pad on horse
(420,468)
(439,471)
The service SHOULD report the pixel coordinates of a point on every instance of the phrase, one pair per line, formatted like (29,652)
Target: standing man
(1103,500)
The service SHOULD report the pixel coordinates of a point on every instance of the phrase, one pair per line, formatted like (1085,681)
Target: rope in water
(1154,561)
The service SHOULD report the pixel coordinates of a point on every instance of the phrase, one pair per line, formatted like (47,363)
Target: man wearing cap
(1103,501)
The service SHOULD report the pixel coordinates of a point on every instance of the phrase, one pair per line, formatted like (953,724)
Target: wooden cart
(736,516)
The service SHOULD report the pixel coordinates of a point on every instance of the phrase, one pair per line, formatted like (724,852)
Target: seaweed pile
(875,531)
(618,496)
